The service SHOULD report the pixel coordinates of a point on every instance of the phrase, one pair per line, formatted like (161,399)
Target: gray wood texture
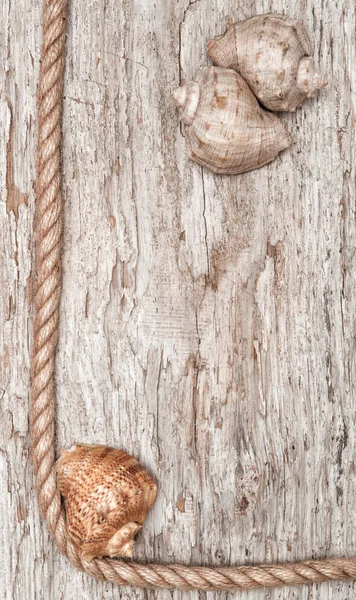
(208,323)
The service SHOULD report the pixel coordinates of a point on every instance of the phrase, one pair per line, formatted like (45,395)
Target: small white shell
(271,52)
(228,132)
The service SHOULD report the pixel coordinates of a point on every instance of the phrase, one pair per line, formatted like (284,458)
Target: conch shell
(107,495)
(226,130)
(272,53)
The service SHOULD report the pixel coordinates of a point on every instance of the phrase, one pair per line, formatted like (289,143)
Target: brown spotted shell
(107,495)
(272,53)
(226,129)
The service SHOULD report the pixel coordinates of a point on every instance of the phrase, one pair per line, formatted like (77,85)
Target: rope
(48,226)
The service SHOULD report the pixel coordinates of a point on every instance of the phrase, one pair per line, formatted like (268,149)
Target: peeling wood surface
(208,323)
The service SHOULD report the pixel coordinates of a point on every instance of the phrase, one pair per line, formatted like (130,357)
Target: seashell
(272,53)
(107,495)
(226,130)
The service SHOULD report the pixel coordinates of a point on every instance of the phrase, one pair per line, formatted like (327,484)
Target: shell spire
(309,80)
(187,99)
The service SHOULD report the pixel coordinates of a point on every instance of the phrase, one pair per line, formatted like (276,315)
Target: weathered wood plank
(208,323)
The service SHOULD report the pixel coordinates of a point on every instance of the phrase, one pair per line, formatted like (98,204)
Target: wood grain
(208,323)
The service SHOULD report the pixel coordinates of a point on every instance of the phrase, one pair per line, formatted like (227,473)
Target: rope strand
(48,233)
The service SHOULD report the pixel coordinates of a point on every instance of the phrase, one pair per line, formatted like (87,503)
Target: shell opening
(309,81)
(187,99)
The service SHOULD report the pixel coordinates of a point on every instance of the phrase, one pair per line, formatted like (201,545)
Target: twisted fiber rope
(49,220)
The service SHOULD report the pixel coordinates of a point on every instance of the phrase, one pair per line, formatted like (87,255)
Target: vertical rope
(48,233)
(49,221)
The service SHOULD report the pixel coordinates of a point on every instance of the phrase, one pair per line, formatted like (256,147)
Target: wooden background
(208,323)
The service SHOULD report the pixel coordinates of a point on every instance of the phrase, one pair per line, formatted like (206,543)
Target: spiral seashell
(226,129)
(107,495)
(272,53)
